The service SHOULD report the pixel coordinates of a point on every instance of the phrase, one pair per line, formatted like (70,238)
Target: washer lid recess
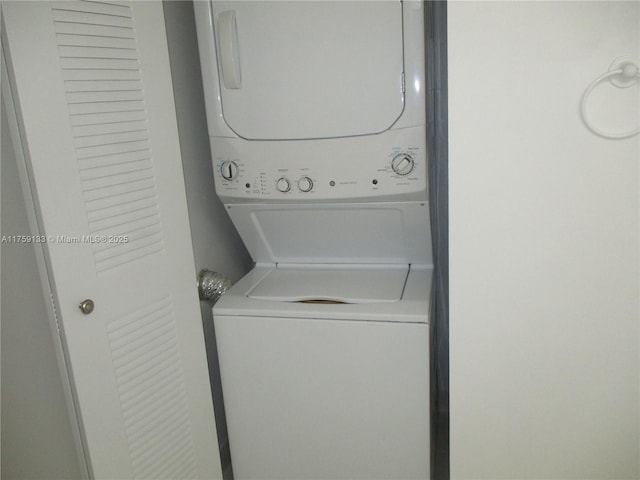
(312,69)
(312,283)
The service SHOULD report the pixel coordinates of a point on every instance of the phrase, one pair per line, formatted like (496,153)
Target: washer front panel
(325,399)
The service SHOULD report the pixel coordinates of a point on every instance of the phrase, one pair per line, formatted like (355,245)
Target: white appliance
(316,114)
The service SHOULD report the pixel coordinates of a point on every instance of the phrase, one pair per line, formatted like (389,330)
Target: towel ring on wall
(623,73)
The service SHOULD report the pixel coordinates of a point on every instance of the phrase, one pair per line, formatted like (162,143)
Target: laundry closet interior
(314,202)
(320,239)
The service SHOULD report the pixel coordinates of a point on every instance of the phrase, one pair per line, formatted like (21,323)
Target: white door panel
(93,90)
(276,60)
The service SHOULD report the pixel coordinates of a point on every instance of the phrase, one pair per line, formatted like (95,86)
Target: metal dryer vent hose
(211,285)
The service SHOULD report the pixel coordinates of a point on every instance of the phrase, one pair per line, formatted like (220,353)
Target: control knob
(229,169)
(305,184)
(403,164)
(283,184)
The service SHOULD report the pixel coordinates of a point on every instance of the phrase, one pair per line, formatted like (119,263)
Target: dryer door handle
(229,55)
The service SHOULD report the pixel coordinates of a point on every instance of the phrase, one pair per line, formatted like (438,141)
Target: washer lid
(313,69)
(322,284)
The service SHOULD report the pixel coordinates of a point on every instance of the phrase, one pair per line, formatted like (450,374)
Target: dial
(229,169)
(403,164)
(305,184)
(283,184)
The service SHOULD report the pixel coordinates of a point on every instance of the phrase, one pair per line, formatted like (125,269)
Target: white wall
(544,243)
(37,438)
(217,245)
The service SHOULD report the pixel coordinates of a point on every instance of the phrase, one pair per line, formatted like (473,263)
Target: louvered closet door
(92,85)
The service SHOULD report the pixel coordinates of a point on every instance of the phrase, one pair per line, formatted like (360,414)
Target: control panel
(348,168)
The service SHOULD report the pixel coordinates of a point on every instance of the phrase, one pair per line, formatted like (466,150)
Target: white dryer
(316,114)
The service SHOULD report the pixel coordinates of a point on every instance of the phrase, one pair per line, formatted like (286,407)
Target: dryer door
(300,70)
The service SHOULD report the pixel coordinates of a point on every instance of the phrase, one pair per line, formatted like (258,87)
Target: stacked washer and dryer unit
(316,113)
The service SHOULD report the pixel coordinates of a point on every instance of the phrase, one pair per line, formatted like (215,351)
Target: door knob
(86,306)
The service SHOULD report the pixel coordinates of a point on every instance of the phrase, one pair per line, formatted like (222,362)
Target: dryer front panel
(309,69)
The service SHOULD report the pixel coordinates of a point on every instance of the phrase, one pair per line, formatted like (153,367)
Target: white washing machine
(316,116)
